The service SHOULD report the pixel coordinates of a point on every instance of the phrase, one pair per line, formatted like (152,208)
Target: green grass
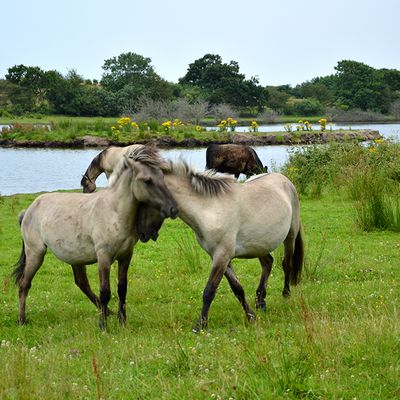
(336,337)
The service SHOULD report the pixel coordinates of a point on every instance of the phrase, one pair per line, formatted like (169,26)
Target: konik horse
(82,229)
(234,159)
(263,212)
(105,162)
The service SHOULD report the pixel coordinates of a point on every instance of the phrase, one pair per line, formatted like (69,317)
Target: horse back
(230,158)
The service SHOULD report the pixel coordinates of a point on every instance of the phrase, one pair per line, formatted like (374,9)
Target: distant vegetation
(131,86)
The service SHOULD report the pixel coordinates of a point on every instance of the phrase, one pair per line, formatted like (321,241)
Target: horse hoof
(200,325)
(261,305)
(286,294)
(109,312)
(102,324)
(251,317)
(122,319)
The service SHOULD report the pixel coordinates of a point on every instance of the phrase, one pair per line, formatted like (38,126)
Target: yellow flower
(379,140)
(167,124)
(124,121)
(134,125)
(198,128)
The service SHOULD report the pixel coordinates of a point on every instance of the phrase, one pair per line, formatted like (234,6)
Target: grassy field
(337,337)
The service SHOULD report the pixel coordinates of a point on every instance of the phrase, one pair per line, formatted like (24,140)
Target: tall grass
(368,174)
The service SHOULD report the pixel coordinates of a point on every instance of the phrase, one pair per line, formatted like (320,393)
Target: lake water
(42,170)
(25,170)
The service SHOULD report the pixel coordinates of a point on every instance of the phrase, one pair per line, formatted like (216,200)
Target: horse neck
(122,197)
(93,171)
(188,201)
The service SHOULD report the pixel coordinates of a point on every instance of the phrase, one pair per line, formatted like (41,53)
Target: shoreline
(292,138)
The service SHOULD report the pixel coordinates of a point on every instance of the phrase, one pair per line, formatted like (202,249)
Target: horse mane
(144,154)
(256,158)
(94,165)
(207,183)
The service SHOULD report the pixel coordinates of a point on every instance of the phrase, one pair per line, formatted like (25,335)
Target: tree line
(130,80)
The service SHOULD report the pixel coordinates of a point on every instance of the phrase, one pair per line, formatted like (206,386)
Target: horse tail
(297,259)
(211,149)
(19,267)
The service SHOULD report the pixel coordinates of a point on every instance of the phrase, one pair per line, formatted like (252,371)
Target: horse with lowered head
(263,212)
(234,159)
(105,162)
(82,229)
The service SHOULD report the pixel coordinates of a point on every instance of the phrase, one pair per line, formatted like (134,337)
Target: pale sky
(280,41)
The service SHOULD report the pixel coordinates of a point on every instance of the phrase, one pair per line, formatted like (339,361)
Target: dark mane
(95,165)
(208,183)
(256,158)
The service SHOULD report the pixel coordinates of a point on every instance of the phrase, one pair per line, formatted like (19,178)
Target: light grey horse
(106,162)
(234,220)
(82,229)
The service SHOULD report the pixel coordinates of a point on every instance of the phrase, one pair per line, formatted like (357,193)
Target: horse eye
(148,181)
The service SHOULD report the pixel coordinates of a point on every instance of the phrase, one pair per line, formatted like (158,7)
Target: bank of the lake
(49,139)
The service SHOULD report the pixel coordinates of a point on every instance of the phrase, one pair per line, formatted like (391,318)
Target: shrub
(368,174)
(305,107)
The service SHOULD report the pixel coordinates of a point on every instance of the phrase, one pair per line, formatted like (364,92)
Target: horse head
(148,222)
(88,184)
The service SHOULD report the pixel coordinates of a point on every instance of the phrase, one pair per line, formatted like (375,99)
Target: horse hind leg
(266,264)
(238,290)
(26,271)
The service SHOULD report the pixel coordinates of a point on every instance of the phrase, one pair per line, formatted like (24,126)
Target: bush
(353,115)
(368,174)
(306,107)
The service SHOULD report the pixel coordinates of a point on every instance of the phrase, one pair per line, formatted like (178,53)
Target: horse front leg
(81,280)
(238,290)
(123,265)
(217,272)
(104,263)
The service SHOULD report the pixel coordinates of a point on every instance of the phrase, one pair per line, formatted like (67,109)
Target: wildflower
(322,122)
(167,126)
(177,122)
(198,128)
(253,126)
(124,121)
(134,125)
(379,140)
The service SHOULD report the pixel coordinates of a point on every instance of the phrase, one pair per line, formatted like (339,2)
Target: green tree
(127,68)
(360,86)
(277,98)
(223,83)
(132,76)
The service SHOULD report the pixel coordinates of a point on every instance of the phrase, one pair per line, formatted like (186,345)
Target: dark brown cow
(234,159)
